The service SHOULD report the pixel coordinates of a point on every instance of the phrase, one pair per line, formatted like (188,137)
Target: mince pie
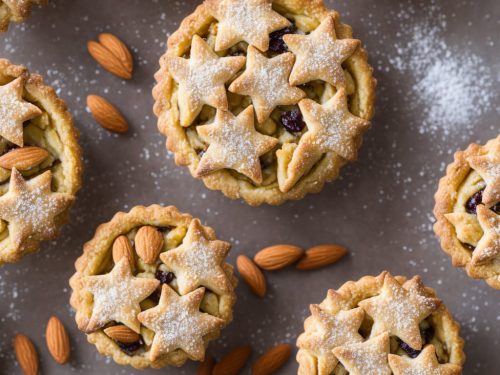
(380,325)
(16,11)
(264,100)
(468,211)
(153,288)
(40,162)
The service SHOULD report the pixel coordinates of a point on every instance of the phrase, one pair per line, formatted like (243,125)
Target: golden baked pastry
(16,11)
(152,288)
(264,100)
(40,162)
(380,325)
(468,211)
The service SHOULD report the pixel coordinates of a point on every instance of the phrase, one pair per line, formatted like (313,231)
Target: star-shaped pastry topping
(489,245)
(466,226)
(488,167)
(178,324)
(366,358)
(14,111)
(235,144)
(425,364)
(245,20)
(198,261)
(201,79)
(117,296)
(328,331)
(31,208)
(320,55)
(266,82)
(330,128)
(399,309)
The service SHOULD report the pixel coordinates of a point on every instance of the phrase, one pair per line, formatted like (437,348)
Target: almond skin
(252,275)
(26,354)
(272,360)
(206,366)
(57,340)
(234,361)
(123,248)
(278,256)
(122,334)
(108,60)
(106,114)
(23,158)
(321,256)
(148,244)
(119,49)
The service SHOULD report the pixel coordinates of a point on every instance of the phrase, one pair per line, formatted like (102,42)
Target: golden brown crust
(98,249)
(446,328)
(67,177)
(327,169)
(16,11)
(446,197)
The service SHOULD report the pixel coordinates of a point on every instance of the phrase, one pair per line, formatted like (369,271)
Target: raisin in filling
(293,121)
(476,200)
(276,42)
(426,334)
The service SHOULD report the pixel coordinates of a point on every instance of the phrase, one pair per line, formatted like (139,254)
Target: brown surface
(380,209)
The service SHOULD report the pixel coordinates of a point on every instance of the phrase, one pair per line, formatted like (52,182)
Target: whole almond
(108,60)
(277,256)
(26,354)
(234,361)
(57,340)
(252,275)
(320,256)
(122,334)
(123,248)
(148,244)
(23,158)
(119,49)
(106,114)
(272,360)
(206,366)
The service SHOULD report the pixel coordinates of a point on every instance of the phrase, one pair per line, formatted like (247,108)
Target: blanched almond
(122,333)
(23,158)
(252,275)
(148,244)
(57,340)
(272,360)
(277,256)
(320,256)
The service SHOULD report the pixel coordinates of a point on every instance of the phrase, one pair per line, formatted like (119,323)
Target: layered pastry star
(201,79)
(30,207)
(178,324)
(488,167)
(320,55)
(198,261)
(235,144)
(425,364)
(266,82)
(330,128)
(244,20)
(366,358)
(328,331)
(14,111)
(117,296)
(489,245)
(399,309)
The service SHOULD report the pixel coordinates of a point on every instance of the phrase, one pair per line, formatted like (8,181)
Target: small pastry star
(198,261)
(201,79)
(489,245)
(178,324)
(14,111)
(266,82)
(31,208)
(330,331)
(117,296)
(399,309)
(331,128)
(235,144)
(245,20)
(425,364)
(320,55)
(366,358)
(466,226)
(488,167)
